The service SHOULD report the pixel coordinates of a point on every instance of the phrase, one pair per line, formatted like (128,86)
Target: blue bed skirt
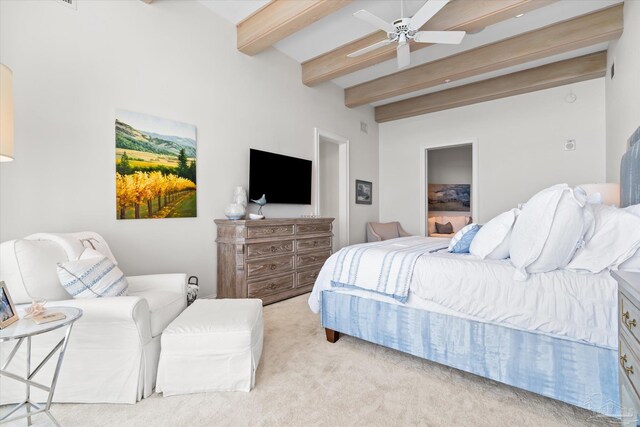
(578,373)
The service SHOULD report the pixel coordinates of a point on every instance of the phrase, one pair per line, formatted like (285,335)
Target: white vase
(240,196)
(234,211)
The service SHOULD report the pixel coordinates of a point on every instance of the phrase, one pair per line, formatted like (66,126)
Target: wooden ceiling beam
(586,30)
(544,77)
(279,19)
(461,15)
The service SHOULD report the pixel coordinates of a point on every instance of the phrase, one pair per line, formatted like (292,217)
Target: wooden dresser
(271,259)
(629,344)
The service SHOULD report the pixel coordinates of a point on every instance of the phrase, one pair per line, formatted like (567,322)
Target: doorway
(332,183)
(448,183)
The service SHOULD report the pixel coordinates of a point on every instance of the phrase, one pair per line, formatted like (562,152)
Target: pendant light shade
(6,114)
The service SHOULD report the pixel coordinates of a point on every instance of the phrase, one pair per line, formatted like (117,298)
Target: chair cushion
(37,262)
(92,276)
(164,307)
(387,230)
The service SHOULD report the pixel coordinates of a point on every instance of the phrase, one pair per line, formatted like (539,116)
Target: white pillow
(615,239)
(492,240)
(93,275)
(548,230)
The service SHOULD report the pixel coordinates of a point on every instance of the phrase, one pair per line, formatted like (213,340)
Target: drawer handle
(274,249)
(627,369)
(628,323)
(315,243)
(273,266)
(273,286)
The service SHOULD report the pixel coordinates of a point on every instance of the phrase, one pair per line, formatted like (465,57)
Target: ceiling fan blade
(446,37)
(369,48)
(404,55)
(430,8)
(375,21)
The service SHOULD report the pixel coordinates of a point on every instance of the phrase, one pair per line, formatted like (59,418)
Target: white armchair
(114,347)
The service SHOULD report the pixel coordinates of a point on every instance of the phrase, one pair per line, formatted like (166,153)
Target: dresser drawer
(269,248)
(313,228)
(629,365)
(266,287)
(629,316)
(307,277)
(271,266)
(309,244)
(270,231)
(313,258)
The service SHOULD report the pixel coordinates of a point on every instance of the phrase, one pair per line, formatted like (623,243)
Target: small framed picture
(8,313)
(364,190)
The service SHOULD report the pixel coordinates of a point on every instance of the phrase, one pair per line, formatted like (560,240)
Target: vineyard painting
(155,167)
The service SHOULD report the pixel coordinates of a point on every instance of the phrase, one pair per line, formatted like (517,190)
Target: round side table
(25,329)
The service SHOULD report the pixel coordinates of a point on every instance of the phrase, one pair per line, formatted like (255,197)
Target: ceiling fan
(404,30)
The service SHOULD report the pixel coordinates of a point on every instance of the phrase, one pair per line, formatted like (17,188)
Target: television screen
(282,179)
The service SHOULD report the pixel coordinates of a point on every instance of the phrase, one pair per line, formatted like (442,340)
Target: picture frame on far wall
(364,192)
(8,313)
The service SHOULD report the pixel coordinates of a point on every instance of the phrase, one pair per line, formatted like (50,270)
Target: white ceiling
(341,27)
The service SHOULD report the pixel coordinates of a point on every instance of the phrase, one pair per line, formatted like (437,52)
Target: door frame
(475,178)
(343,180)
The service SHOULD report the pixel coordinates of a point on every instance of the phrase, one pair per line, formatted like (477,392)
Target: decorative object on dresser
(262,201)
(273,259)
(238,208)
(629,344)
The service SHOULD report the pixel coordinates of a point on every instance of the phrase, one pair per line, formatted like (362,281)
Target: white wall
(172,59)
(453,165)
(520,139)
(623,91)
(329,165)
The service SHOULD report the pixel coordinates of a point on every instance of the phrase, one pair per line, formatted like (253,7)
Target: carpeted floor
(304,380)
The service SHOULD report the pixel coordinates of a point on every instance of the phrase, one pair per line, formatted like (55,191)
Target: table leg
(57,371)
(28,394)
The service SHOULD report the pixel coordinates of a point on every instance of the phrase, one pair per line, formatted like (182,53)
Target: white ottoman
(214,345)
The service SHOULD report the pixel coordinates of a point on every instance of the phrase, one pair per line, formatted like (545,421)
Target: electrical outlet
(363,127)
(570,145)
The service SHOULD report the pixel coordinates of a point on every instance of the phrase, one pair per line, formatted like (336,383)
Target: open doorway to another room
(332,184)
(449,188)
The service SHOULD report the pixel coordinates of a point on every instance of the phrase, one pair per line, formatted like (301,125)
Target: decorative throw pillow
(492,241)
(444,228)
(462,240)
(93,275)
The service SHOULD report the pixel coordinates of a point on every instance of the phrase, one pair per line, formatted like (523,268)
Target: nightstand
(629,345)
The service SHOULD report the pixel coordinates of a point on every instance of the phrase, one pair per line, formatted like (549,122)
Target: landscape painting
(449,197)
(155,167)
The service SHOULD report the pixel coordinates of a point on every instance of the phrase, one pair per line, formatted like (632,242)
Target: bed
(458,313)
(554,334)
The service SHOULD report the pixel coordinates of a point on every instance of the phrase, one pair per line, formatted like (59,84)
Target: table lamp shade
(6,114)
(609,192)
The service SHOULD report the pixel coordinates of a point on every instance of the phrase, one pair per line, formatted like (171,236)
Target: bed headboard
(630,172)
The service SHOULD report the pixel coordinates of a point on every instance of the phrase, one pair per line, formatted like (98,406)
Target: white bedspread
(579,306)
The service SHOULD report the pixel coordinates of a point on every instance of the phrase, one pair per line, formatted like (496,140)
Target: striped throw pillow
(93,275)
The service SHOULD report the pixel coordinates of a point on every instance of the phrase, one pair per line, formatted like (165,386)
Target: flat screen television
(283,179)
